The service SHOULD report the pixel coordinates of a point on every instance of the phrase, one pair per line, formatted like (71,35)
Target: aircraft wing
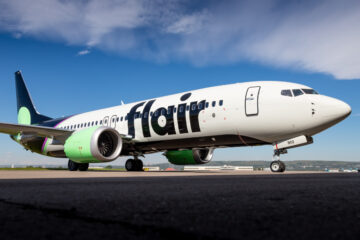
(14,129)
(60,134)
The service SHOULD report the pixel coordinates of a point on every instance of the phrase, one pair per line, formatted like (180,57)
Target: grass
(25,168)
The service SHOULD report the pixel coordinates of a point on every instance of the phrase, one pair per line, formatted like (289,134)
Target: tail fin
(27,113)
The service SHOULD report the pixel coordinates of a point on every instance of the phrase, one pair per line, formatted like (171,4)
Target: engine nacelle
(190,157)
(92,145)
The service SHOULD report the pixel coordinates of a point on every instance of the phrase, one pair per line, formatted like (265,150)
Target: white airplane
(187,127)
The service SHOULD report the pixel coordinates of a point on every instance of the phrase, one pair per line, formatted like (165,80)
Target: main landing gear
(276,165)
(134,165)
(74,166)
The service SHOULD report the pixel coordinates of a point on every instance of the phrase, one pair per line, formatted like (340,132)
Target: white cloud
(83,52)
(317,36)
(188,24)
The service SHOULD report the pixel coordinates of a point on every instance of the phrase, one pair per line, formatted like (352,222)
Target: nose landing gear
(277,165)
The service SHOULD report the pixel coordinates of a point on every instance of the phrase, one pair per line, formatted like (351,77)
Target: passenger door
(113,121)
(252,101)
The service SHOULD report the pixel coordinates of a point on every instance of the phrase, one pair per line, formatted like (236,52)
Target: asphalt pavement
(272,206)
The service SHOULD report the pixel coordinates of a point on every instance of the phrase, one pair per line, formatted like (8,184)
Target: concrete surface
(34,174)
(212,206)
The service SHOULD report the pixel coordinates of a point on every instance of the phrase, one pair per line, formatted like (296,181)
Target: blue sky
(125,50)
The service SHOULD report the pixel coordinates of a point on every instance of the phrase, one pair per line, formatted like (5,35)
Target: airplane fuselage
(242,114)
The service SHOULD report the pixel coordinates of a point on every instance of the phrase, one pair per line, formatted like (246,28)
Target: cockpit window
(286,92)
(297,92)
(309,91)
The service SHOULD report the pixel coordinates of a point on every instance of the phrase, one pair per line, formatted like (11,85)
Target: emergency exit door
(252,101)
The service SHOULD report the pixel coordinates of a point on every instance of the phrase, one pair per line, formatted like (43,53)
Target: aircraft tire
(282,166)
(83,167)
(134,165)
(130,165)
(139,165)
(73,166)
(276,166)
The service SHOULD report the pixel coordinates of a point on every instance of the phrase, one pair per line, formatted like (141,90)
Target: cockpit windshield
(309,91)
(297,92)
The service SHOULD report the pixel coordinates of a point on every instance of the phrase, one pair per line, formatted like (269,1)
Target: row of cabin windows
(163,112)
(297,92)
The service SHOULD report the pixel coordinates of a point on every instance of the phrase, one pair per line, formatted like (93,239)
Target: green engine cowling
(93,145)
(190,157)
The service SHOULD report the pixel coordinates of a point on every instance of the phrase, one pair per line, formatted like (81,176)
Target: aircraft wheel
(83,166)
(276,166)
(282,166)
(134,165)
(130,165)
(139,165)
(73,166)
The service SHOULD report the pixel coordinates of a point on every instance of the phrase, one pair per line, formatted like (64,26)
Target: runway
(188,206)
(40,174)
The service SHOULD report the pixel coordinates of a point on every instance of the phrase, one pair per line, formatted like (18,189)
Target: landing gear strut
(134,165)
(74,166)
(276,165)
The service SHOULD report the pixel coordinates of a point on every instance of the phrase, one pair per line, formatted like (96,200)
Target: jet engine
(190,157)
(92,145)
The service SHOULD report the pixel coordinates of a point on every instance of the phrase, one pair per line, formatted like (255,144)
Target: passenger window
(286,92)
(200,106)
(121,119)
(181,109)
(163,112)
(96,123)
(297,92)
(187,108)
(175,110)
(221,102)
(207,104)
(151,113)
(146,115)
(100,122)
(213,104)
(156,113)
(193,107)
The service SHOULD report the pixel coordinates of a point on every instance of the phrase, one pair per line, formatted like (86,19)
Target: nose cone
(334,110)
